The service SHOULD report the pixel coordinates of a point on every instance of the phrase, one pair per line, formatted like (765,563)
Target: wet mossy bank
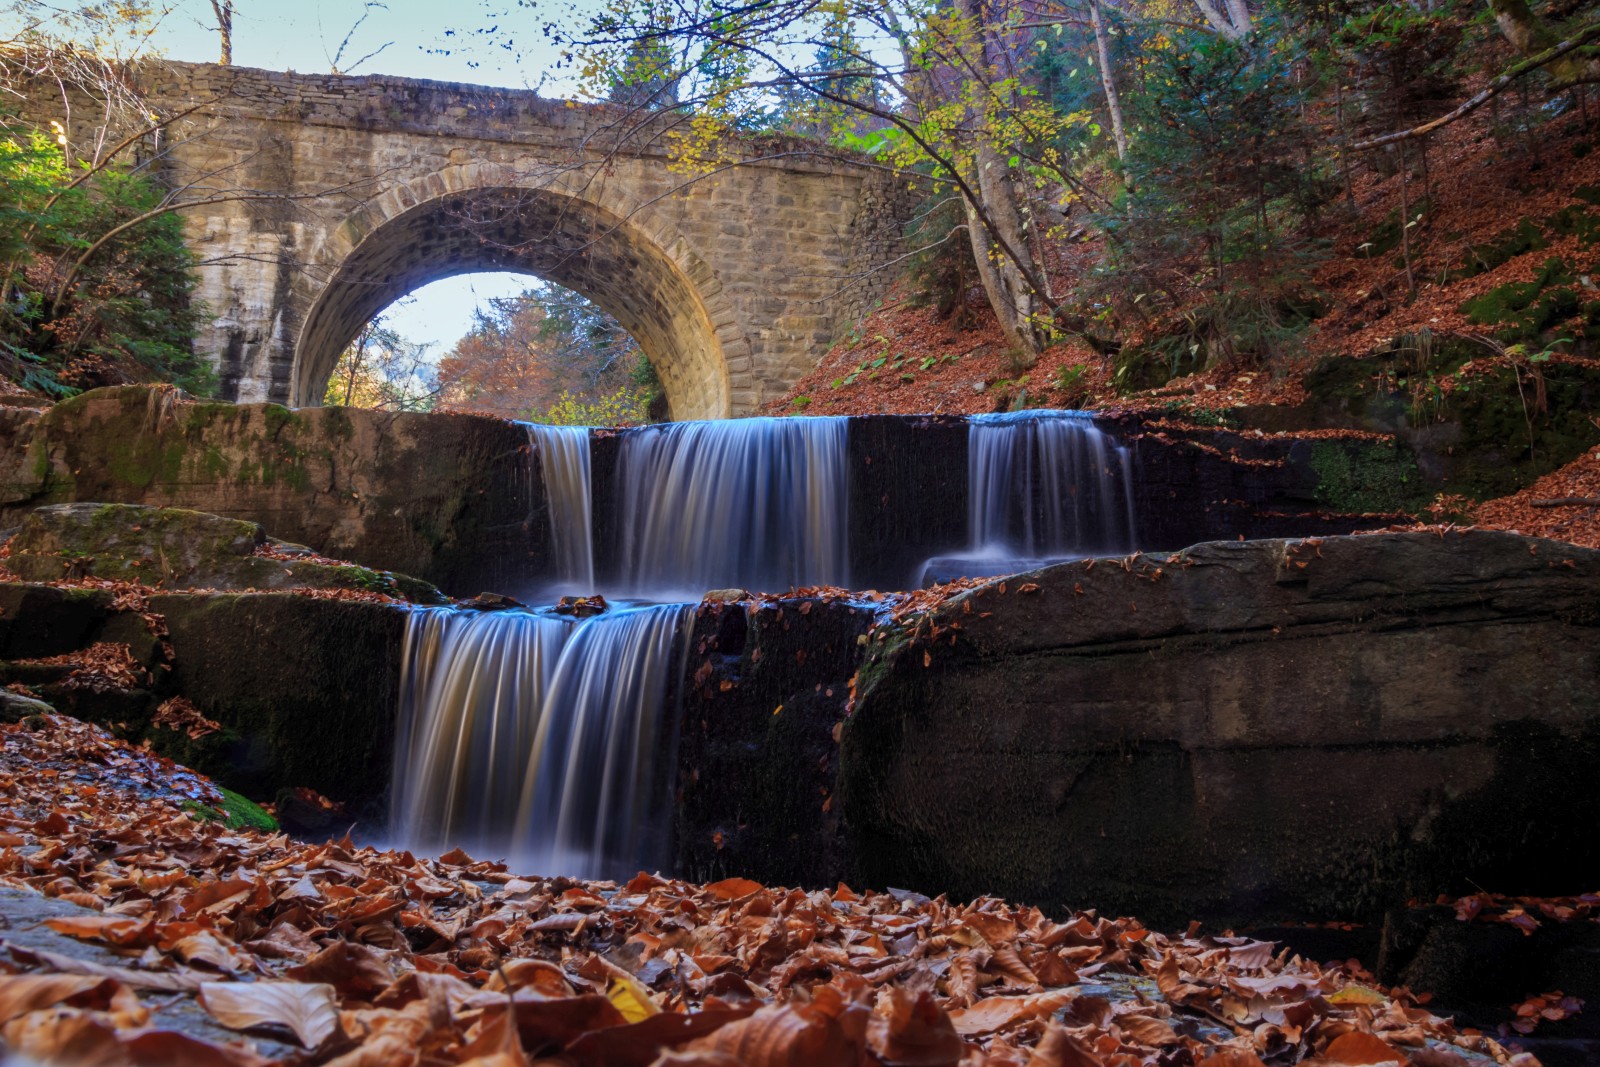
(451,499)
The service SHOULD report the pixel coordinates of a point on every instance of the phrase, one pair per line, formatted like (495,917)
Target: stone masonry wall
(730,279)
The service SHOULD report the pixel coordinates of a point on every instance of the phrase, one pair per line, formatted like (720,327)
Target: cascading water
(549,739)
(761,503)
(563,453)
(539,736)
(1043,485)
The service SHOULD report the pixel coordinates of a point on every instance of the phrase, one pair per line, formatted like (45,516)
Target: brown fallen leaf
(1057,1048)
(169,1048)
(65,1038)
(1148,1030)
(353,970)
(21,994)
(112,929)
(1232,1057)
(1360,1049)
(733,888)
(995,1013)
(829,1030)
(305,1009)
(910,1031)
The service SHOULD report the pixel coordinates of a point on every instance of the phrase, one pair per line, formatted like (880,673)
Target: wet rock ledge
(1279,728)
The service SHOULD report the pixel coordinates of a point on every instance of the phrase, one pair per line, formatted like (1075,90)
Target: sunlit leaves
(305,1009)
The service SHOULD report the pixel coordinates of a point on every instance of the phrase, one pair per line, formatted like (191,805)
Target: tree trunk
(1529,35)
(995,224)
(1015,304)
(224,11)
(1108,80)
(1224,24)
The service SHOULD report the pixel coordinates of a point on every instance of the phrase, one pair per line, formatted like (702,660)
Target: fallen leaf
(305,1009)
(995,1013)
(1360,1049)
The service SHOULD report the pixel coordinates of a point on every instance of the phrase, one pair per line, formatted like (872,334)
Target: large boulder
(180,549)
(1262,728)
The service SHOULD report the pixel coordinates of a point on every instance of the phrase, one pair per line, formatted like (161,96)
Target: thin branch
(1489,92)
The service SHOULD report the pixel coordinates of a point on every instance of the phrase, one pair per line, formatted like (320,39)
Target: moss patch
(1367,477)
(235,812)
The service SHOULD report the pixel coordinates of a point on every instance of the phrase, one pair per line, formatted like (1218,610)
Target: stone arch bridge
(362,189)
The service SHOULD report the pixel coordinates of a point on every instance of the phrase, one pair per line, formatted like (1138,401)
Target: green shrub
(85,302)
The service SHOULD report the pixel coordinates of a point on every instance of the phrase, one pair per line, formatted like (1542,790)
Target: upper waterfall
(1042,485)
(761,503)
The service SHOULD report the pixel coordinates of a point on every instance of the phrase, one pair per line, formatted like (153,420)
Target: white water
(1042,486)
(563,453)
(539,737)
(755,503)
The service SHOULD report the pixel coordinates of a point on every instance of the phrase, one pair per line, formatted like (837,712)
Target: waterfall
(762,503)
(1042,486)
(1045,484)
(540,737)
(564,461)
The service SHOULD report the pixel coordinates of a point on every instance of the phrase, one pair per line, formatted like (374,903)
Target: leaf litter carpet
(136,930)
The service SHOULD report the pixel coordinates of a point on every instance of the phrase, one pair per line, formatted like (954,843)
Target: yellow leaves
(631,999)
(1354,994)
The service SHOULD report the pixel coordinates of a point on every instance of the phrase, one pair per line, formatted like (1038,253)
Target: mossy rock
(178,548)
(1362,477)
(1385,238)
(1521,239)
(1576,221)
(236,813)
(1527,311)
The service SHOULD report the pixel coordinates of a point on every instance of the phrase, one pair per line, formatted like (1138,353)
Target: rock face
(459,500)
(178,549)
(758,753)
(295,690)
(1241,729)
(454,500)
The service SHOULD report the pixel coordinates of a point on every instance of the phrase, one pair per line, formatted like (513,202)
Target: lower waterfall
(540,737)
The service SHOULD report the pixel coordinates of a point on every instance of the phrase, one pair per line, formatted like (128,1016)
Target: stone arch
(622,256)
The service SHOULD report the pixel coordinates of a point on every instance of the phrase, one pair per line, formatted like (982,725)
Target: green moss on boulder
(178,548)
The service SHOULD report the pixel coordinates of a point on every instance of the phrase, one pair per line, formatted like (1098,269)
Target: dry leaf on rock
(305,1009)
(997,1013)
(1360,1049)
